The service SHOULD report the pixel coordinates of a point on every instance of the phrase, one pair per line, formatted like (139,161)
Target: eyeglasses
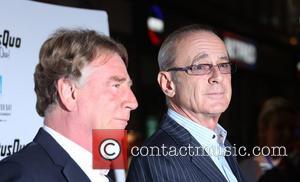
(205,69)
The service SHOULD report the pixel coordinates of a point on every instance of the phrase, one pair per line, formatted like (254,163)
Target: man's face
(202,94)
(105,99)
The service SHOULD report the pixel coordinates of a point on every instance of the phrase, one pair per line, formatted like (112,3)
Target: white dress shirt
(80,155)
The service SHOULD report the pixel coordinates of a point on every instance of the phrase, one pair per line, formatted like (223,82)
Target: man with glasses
(190,145)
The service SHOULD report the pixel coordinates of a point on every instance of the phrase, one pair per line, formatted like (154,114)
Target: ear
(166,83)
(67,93)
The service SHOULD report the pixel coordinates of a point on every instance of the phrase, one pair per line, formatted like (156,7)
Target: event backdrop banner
(24,26)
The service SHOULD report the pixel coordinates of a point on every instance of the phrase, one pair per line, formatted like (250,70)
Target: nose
(131,102)
(215,76)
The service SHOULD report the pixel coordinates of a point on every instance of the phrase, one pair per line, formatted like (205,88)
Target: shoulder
(30,154)
(153,161)
(152,149)
(160,137)
(20,165)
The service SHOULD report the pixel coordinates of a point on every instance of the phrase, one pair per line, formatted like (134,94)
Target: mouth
(123,119)
(122,122)
(215,95)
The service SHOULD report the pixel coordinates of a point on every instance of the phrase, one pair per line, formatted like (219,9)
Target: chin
(120,126)
(218,108)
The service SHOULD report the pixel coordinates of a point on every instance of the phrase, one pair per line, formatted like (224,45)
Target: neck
(70,128)
(209,121)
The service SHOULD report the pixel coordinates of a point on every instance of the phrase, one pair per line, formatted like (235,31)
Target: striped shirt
(211,141)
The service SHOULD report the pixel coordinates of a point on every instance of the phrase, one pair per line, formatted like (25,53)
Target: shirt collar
(205,136)
(80,155)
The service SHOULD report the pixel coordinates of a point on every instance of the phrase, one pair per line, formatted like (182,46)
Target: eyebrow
(200,56)
(224,58)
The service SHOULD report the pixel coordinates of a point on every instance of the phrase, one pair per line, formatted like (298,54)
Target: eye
(224,65)
(202,66)
(194,67)
(116,85)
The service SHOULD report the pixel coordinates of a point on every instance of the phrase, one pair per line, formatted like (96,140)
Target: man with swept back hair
(81,83)
(195,75)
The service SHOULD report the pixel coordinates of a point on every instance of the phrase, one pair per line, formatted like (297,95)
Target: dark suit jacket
(42,160)
(177,168)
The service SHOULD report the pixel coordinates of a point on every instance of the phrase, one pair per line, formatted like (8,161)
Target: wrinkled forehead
(196,43)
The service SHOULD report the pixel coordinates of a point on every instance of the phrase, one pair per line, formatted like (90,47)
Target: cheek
(227,86)
(185,93)
(229,93)
(107,102)
(100,102)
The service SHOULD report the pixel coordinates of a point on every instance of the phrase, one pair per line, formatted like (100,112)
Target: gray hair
(168,50)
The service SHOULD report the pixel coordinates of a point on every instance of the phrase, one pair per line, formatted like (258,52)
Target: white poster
(24,26)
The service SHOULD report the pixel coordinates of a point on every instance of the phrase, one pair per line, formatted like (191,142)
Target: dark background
(269,24)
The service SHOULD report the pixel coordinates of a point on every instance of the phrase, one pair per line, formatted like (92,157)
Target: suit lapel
(205,163)
(73,173)
(183,138)
(232,162)
(60,157)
